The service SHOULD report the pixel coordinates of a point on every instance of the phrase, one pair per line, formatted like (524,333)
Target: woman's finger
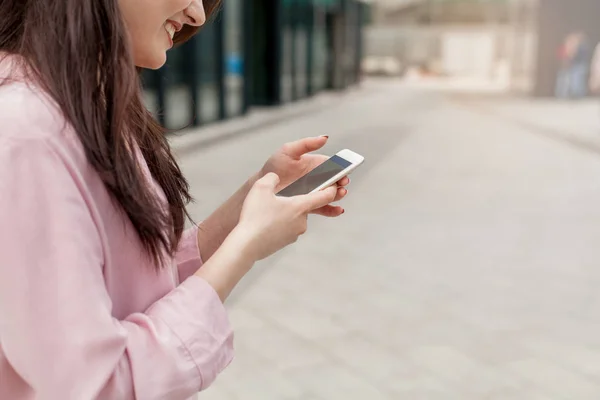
(329,211)
(303,146)
(341,193)
(345,181)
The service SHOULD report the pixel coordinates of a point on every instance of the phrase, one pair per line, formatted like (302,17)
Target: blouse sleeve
(188,256)
(56,327)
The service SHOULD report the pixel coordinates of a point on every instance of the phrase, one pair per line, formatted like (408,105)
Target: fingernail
(325,136)
(343,211)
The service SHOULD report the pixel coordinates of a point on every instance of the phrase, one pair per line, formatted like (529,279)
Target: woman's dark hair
(78,51)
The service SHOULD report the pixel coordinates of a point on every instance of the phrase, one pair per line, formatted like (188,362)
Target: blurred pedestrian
(595,71)
(103,294)
(575,57)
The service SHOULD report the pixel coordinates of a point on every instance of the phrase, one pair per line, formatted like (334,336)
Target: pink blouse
(83,312)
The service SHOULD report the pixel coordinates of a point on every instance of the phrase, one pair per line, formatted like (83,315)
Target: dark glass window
(234,62)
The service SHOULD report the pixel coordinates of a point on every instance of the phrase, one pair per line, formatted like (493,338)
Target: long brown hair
(78,51)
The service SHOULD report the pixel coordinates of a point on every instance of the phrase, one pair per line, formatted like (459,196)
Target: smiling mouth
(171,30)
(172,27)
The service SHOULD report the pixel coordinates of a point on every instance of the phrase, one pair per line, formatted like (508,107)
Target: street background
(466,265)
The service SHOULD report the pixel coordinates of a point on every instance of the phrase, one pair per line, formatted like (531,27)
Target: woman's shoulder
(28,114)
(26,111)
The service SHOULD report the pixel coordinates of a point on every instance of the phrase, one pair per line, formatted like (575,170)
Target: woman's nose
(194,13)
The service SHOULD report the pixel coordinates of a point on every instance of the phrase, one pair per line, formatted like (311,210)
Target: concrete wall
(524,15)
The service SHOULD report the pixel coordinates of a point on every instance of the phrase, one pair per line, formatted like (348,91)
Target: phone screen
(316,177)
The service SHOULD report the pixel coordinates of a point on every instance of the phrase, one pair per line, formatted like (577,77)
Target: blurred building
(440,12)
(258,53)
(442,37)
(539,29)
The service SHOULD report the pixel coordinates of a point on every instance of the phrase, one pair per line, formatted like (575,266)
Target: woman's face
(153,23)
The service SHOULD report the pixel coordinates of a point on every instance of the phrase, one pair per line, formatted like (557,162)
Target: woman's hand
(293,161)
(290,163)
(269,223)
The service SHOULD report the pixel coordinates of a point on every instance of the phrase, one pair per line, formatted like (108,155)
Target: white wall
(455,50)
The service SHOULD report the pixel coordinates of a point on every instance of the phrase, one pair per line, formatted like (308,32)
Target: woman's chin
(156,61)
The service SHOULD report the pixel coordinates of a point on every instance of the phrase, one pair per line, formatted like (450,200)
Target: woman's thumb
(319,199)
(270,180)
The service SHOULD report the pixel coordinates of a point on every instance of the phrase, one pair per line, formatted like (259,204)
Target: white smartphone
(325,175)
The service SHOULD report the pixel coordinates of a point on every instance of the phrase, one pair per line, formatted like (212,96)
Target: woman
(103,295)
(573,76)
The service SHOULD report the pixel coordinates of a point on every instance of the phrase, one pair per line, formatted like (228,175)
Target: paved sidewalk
(576,122)
(465,267)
